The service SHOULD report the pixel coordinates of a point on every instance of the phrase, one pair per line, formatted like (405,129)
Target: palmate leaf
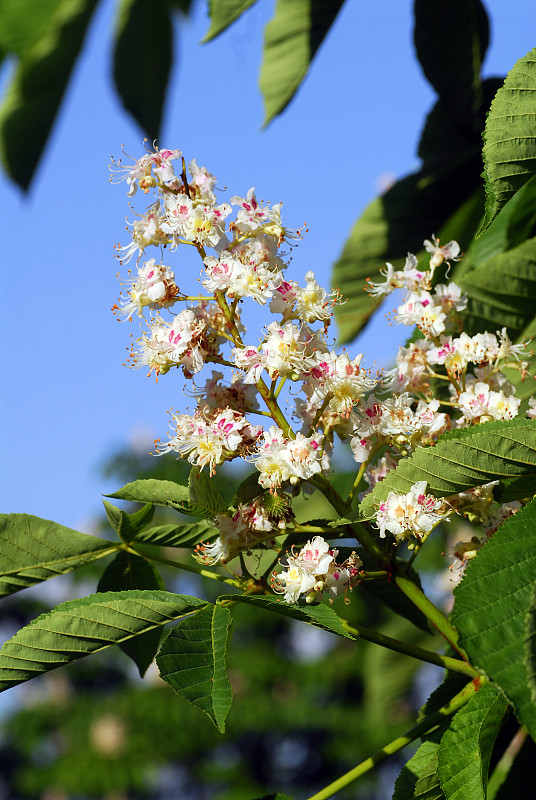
(419,765)
(192,661)
(451,54)
(320,616)
(127,525)
(462,459)
(428,786)
(151,490)
(34,94)
(223,13)
(78,628)
(291,40)
(205,500)
(511,227)
(187,534)
(502,292)
(33,550)
(125,572)
(465,750)
(491,605)
(510,138)
(142,60)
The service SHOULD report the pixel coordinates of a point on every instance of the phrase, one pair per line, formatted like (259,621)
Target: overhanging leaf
(291,40)
(223,13)
(142,60)
(465,750)
(451,54)
(125,572)
(78,628)
(33,550)
(510,138)
(416,768)
(462,459)
(491,605)
(36,89)
(192,661)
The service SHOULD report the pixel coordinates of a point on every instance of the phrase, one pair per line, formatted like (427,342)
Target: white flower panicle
(313,571)
(382,418)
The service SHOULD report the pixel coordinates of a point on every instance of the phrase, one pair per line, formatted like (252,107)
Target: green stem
(204,573)
(426,726)
(436,617)
(358,477)
(453,664)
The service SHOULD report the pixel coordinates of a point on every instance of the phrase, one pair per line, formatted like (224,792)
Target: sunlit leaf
(78,628)
(510,138)
(223,13)
(192,661)
(491,605)
(291,40)
(462,459)
(33,550)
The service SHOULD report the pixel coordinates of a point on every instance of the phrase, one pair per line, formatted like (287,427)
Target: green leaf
(416,767)
(320,616)
(451,54)
(142,60)
(127,525)
(530,644)
(466,746)
(23,22)
(34,95)
(185,535)
(428,786)
(462,459)
(509,137)
(33,550)
(78,628)
(223,13)
(291,40)
(502,292)
(192,661)
(511,227)
(125,572)
(491,605)
(205,500)
(150,490)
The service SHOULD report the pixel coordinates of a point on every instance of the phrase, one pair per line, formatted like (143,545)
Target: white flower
(154,286)
(414,513)
(449,251)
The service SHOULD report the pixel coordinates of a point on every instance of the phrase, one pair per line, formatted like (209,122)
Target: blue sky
(67,403)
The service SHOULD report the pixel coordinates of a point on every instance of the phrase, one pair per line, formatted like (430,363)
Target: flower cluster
(444,378)
(315,571)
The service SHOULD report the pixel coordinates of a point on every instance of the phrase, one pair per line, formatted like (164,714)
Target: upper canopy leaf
(33,550)
(223,13)
(78,628)
(451,40)
(462,459)
(142,60)
(291,40)
(510,137)
(47,54)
